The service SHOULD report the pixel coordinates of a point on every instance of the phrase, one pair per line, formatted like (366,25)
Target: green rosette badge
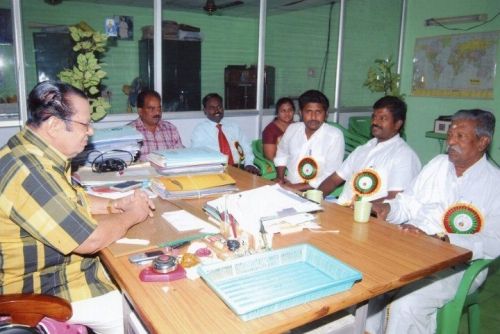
(308,169)
(366,182)
(462,219)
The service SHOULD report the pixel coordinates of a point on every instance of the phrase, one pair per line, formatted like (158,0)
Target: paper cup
(314,195)
(362,211)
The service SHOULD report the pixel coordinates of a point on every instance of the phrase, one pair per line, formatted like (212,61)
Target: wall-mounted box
(442,124)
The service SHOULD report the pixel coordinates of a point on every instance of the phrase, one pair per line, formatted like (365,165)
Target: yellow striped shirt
(43,218)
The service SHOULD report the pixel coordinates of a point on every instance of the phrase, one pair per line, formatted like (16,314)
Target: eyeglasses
(214,108)
(152,108)
(86,125)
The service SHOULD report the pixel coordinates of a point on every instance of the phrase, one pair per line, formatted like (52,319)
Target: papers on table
(188,161)
(265,203)
(187,157)
(183,221)
(290,224)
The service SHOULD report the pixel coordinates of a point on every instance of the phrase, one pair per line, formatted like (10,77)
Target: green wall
(423,110)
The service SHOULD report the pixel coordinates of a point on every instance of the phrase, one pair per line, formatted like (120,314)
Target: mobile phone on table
(146,256)
(126,186)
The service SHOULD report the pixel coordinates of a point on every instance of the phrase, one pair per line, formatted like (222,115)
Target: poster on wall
(461,65)
(125,27)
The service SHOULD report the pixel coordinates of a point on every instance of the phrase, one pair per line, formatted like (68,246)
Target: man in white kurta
(393,160)
(310,150)
(382,167)
(455,198)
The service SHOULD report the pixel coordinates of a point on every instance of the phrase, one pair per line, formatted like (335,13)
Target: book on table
(188,186)
(184,157)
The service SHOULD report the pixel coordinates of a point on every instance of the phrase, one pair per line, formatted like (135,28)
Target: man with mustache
(382,167)
(310,150)
(157,134)
(454,198)
(50,230)
(221,135)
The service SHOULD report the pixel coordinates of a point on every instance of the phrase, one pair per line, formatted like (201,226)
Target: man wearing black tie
(224,136)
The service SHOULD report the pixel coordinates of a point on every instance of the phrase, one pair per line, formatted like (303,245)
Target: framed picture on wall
(124,27)
(5,26)
(110,27)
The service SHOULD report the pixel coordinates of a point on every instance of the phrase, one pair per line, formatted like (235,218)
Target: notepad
(183,221)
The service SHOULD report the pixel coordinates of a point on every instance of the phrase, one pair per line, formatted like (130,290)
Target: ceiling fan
(210,6)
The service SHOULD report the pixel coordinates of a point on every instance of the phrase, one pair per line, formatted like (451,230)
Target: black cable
(324,65)
(465,29)
(100,164)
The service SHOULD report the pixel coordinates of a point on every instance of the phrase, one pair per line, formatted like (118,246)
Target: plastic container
(261,284)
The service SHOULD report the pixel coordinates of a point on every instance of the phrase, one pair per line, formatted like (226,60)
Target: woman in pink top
(271,136)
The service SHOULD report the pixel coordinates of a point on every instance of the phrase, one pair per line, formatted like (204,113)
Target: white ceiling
(250,8)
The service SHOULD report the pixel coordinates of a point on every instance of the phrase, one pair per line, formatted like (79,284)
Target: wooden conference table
(387,257)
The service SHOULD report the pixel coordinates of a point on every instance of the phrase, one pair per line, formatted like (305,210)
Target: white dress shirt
(393,160)
(437,188)
(325,146)
(206,134)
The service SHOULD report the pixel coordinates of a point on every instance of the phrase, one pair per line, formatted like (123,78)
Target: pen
(233,226)
(179,245)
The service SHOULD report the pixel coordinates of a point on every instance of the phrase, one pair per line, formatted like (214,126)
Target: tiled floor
(489,303)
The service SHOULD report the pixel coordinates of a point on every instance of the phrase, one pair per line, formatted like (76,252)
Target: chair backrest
(361,125)
(351,139)
(29,309)
(28,312)
(448,317)
(267,168)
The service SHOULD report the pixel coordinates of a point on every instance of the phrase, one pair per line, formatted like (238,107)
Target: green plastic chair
(361,125)
(267,168)
(351,139)
(448,316)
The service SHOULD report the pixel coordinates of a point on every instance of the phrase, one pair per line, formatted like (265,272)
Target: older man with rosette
(50,230)
(454,198)
(382,167)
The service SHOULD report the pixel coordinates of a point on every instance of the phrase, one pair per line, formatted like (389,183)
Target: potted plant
(382,78)
(87,73)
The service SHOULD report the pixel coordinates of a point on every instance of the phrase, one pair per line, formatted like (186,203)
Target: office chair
(27,312)
(267,168)
(448,316)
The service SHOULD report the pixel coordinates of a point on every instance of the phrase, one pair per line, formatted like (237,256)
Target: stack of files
(117,143)
(188,161)
(193,186)
(136,172)
(253,208)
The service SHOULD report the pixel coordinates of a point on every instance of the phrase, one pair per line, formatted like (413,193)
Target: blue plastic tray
(261,284)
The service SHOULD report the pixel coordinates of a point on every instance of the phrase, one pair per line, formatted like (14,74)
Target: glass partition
(371,31)
(48,46)
(9,109)
(302,46)
(209,53)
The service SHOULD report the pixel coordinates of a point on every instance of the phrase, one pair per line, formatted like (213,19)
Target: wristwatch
(443,236)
